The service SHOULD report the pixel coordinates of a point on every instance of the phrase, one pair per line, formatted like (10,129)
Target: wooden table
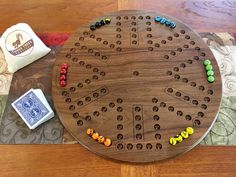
(74,160)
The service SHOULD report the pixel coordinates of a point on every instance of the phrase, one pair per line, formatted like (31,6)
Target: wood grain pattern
(76,161)
(150,86)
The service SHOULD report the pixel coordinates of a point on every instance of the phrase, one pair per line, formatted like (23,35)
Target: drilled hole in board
(156,117)
(140,17)
(72,89)
(120,146)
(173,53)
(188,117)
(149,42)
(138,126)
(203,54)
(138,136)
(139,146)
(118,29)
(119,127)
(179,113)
(186,46)
(134,42)
(149,29)
(195,102)
(192,42)
(82,63)
(134,35)
(135,73)
(119,100)
(104,109)
(72,49)
(126,17)
(111,105)
(187,37)
(203,106)
(158,146)
(102,73)
(200,114)
(170,38)
(182,65)
(119,136)
(182,31)
(201,87)
(149,146)
(186,98)
(162,104)
(163,41)
(119,109)
(137,109)
(119,117)
(67,100)
(210,92)
(87,81)
(81,38)
(87,118)
(197,122)
(178,94)
(75,115)
(190,61)
(72,107)
(95,95)
(171,108)
(134,29)
(88,99)
(149,35)
(118,18)
(80,103)
(92,36)
(118,35)
(105,42)
(118,23)
(83,47)
(177,76)
(197,48)
(157,45)
(133,17)
(179,50)
(176,69)
(79,122)
(155,109)
(148,23)
(169,73)
(96,113)
(166,56)
(112,45)
(137,117)
(196,58)
(77,44)
(104,57)
(99,39)
(118,42)
(158,136)
(97,54)
(193,84)
(75,59)
(68,55)
(157,127)
(176,35)
(88,66)
(185,80)
(64,93)
(134,23)
(170,90)
(129,146)
(150,48)
(95,77)
(154,100)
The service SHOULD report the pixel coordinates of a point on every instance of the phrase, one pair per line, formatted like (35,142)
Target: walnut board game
(137,79)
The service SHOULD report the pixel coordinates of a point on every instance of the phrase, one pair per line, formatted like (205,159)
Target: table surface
(74,160)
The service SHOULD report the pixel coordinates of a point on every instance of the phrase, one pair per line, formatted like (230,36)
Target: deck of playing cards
(33,108)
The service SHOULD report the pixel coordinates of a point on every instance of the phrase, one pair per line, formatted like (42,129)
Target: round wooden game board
(138,83)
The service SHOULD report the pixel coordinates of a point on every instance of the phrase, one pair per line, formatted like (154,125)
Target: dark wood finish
(76,161)
(148,74)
